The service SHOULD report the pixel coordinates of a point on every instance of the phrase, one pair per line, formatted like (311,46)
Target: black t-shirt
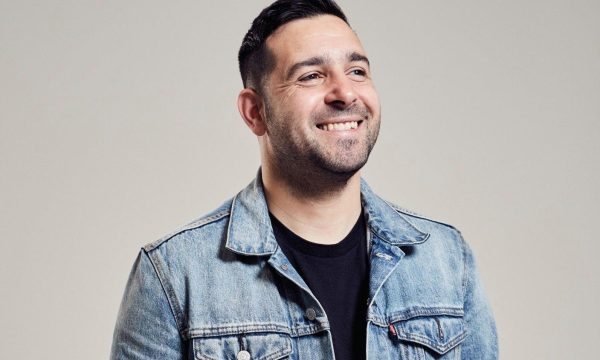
(338,276)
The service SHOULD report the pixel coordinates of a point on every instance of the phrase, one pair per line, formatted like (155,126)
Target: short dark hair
(255,60)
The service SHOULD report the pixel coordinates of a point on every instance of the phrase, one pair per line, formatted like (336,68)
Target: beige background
(118,124)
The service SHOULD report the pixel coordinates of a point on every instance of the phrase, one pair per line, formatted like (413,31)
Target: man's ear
(250,105)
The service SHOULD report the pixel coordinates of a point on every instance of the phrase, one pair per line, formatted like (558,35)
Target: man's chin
(344,170)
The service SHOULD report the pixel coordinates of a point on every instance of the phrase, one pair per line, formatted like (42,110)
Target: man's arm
(146,327)
(482,342)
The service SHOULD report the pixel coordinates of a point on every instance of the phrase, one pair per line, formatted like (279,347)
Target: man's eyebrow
(313,61)
(354,56)
(320,60)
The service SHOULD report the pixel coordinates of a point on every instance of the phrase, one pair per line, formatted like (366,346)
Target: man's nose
(341,93)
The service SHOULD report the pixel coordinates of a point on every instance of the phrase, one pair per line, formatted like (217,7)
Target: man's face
(321,109)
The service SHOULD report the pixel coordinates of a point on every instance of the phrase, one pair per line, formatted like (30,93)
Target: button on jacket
(221,288)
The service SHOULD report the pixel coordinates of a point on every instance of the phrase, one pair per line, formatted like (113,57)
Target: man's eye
(358,73)
(309,77)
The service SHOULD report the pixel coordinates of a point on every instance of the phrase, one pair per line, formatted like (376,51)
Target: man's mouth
(340,126)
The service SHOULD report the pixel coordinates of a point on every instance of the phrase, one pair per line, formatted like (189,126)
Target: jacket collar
(388,223)
(250,233)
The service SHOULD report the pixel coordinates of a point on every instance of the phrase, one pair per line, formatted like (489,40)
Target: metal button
(243,355)
(284,267)
(311,314)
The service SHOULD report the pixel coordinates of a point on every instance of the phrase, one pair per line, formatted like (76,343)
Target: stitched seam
(465,282)
(169,293)
(229,225)
(378,320)
(392,206)
(412,313)
(419,216)
(286,350)
(423,340)
(193,225)
(224,330)
(457,353)
(276,355)
(287,293)
(236,329)
(202,357)
(418,312)
(404,350)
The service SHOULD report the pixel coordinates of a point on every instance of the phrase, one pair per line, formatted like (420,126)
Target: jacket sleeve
(146,327)
(482,341)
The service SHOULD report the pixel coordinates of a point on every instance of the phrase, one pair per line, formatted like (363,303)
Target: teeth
(339,126)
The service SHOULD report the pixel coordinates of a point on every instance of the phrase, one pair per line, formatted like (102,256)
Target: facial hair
(305,164)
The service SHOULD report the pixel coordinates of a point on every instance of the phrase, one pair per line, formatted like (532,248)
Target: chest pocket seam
(438,333)
(261,346)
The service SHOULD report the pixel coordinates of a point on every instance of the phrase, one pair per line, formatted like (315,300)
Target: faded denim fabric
(221,288)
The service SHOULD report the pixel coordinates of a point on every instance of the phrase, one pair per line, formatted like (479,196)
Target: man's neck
(324,220)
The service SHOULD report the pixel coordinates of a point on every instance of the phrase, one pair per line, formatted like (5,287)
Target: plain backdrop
(118,124)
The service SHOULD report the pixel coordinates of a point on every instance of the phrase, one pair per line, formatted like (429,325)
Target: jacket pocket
(438,334)
(253,346)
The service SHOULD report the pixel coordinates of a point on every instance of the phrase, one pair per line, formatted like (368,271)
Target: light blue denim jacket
(221,288)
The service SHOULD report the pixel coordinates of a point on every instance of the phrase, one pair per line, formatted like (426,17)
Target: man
(306,262)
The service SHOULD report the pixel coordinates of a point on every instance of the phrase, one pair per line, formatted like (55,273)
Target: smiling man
(307,262)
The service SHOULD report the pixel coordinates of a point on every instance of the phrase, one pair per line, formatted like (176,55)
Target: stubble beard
(306,166)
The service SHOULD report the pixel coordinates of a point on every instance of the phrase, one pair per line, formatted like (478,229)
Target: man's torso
(232,289)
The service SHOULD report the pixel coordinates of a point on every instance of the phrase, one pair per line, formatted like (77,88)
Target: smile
(341,126)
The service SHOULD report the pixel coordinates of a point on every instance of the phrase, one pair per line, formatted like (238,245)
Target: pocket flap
(259,346)
(439,333)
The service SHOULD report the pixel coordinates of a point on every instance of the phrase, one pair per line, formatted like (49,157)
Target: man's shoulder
(427,224)
(196,229)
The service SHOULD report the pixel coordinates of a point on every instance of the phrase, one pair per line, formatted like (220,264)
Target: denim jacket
(221,288)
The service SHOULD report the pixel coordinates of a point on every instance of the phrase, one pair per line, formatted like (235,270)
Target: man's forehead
(323,36)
